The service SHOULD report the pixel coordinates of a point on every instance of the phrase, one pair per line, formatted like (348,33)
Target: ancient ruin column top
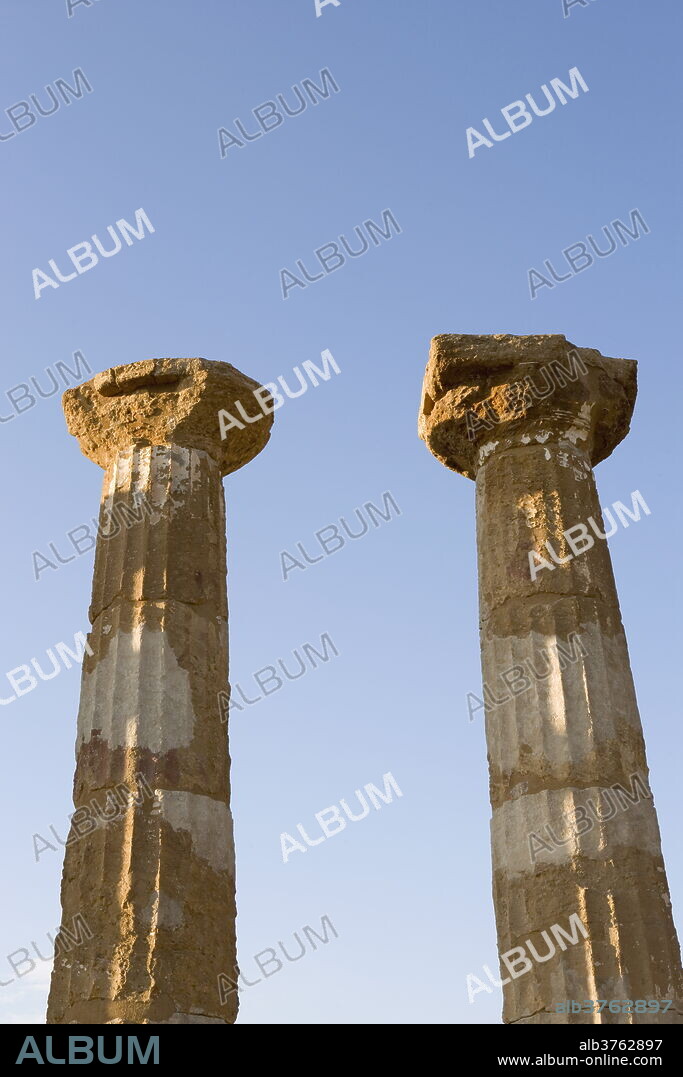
(164,402)
(485,392)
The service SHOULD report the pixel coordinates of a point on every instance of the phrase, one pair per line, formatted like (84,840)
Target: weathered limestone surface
(155,882)
(574,732)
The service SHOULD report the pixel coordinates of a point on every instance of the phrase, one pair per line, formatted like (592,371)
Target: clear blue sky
(408,888)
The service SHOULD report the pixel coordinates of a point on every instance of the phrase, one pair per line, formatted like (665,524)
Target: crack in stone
(526,1016)
(541,596)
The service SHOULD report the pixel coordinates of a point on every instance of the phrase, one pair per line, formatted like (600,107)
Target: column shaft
(155,882)
(566,842)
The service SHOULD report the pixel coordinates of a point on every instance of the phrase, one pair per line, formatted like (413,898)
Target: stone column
(149,867)
(575,839)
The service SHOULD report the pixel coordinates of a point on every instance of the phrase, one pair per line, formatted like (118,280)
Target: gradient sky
(408,889)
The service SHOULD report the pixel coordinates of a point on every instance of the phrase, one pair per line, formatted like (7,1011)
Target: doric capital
(487,392)
(163,402)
